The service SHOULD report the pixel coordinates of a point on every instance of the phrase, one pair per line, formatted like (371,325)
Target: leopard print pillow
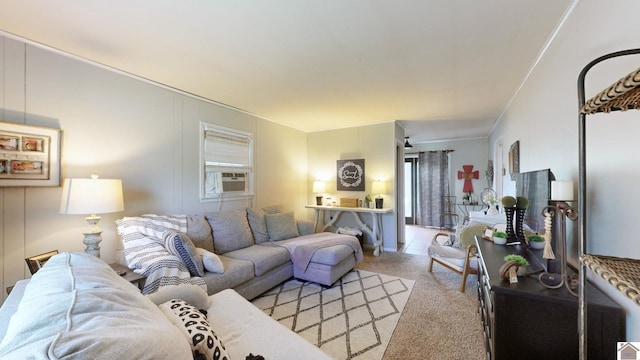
(204,342)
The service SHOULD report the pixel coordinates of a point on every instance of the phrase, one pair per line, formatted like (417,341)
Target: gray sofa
(247,242)
(77,307)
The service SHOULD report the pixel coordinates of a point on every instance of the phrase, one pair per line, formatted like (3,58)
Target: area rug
(353,319)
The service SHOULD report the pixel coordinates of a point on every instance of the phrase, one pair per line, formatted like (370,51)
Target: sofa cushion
(258,225)
(235,273)
(264,257)
(204,342)
(230,230)
(181,246)
(281,226)
(77,307)
(199,232)
(210,261)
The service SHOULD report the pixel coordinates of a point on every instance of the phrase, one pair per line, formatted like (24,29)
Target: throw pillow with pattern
(181,246)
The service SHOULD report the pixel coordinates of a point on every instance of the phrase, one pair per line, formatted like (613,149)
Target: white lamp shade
(379,187)
(318,187)
(562,190)
(91,196)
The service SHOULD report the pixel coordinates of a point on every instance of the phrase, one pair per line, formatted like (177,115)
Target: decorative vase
(499,240)
(520,225)
(508,212)
(536,245)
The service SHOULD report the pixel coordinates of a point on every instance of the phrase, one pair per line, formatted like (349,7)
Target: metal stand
(552,280)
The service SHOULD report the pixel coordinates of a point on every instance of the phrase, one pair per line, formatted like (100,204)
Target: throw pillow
(181,246)
(273,209)
(446,240)
(281,226)
(258,225)
(210,261)
(230,230)
(194,325)
(199,232)
(190,293)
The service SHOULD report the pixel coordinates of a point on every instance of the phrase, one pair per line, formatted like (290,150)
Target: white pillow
(211,261)
(190,293)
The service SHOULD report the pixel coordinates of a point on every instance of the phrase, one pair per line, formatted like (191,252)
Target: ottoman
(327,265)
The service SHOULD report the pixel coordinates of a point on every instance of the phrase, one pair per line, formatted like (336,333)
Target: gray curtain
(433,184)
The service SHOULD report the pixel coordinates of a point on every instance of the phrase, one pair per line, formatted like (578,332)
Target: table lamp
(379,188)
(92,196)
(318,188)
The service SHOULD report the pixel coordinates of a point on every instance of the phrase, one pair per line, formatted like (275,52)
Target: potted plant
(499,237)
(520,260)
(536,242)
(368,201)
(466,198)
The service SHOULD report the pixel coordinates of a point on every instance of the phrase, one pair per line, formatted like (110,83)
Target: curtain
(433,184)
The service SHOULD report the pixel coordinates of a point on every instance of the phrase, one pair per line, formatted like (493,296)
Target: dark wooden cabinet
(525,320)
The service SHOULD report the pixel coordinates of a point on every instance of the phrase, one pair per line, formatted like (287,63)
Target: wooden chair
(459,257)
(448,211)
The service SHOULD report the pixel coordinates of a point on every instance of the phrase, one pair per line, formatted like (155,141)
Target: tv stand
(525,320)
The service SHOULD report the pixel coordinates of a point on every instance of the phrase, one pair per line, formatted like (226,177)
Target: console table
(375,232)
(525,320)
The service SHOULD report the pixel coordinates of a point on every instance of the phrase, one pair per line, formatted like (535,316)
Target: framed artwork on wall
(514,160)
(350,175)
(29,155)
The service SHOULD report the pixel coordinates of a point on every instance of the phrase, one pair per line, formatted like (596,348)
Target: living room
(120,126)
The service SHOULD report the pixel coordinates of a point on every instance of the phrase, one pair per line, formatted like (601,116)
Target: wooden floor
(417,239)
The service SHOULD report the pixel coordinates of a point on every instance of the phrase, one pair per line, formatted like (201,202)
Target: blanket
(144,250)
(302,248)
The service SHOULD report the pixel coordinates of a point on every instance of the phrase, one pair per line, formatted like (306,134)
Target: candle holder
(554,280)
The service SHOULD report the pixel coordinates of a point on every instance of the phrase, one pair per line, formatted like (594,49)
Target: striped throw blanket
(145,253)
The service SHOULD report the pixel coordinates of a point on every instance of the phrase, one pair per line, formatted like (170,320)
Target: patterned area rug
(354,319)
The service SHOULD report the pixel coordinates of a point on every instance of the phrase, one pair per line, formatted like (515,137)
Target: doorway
(410,190)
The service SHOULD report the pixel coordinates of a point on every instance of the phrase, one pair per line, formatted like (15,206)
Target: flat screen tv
(535,186)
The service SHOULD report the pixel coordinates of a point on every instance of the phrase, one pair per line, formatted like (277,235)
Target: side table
(129,275)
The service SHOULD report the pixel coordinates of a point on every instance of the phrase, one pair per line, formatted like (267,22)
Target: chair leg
(463,285)
(430,264)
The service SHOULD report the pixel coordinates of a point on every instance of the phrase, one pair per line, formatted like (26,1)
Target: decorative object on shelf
(379,188)
(92,196)
(514,159)
(508,203)
(29,155)
(536,242)
(348,202)
(487,234)
(467,175)
(350,175)
(520,260)
(489,198)
(368,201)
(35,263)
(499,237)
(548,249)
(561,193)
(521,208)
(319,188)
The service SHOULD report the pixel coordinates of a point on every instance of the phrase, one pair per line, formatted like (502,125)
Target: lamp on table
(379,188)
(92,196)
(318,188)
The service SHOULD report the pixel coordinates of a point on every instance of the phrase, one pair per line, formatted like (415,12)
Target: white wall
(376,144)
(544,117)
(121,127)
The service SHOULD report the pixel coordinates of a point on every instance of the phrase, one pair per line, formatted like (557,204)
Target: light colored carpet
(354,319)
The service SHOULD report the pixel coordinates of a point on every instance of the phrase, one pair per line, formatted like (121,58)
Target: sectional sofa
(248,250)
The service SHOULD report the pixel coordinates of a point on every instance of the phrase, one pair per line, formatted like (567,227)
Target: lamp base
(379,203)
(318,200)
(93,236)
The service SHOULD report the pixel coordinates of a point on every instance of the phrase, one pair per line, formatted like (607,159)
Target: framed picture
(36,262)
(487,234)
(29,155)
(350,175)
(514,160)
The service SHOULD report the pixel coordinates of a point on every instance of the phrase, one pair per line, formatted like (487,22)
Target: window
(227,163)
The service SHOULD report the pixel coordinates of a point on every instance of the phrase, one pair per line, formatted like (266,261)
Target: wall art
(29,155)
(514,160)
(350,175)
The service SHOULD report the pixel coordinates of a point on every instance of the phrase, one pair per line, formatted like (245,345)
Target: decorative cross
(468,174)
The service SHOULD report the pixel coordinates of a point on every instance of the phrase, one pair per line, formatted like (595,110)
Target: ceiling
(446,68)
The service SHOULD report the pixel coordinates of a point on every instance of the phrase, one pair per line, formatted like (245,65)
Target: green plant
(500,234)
(518,259)
(368,198)
(536,238)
